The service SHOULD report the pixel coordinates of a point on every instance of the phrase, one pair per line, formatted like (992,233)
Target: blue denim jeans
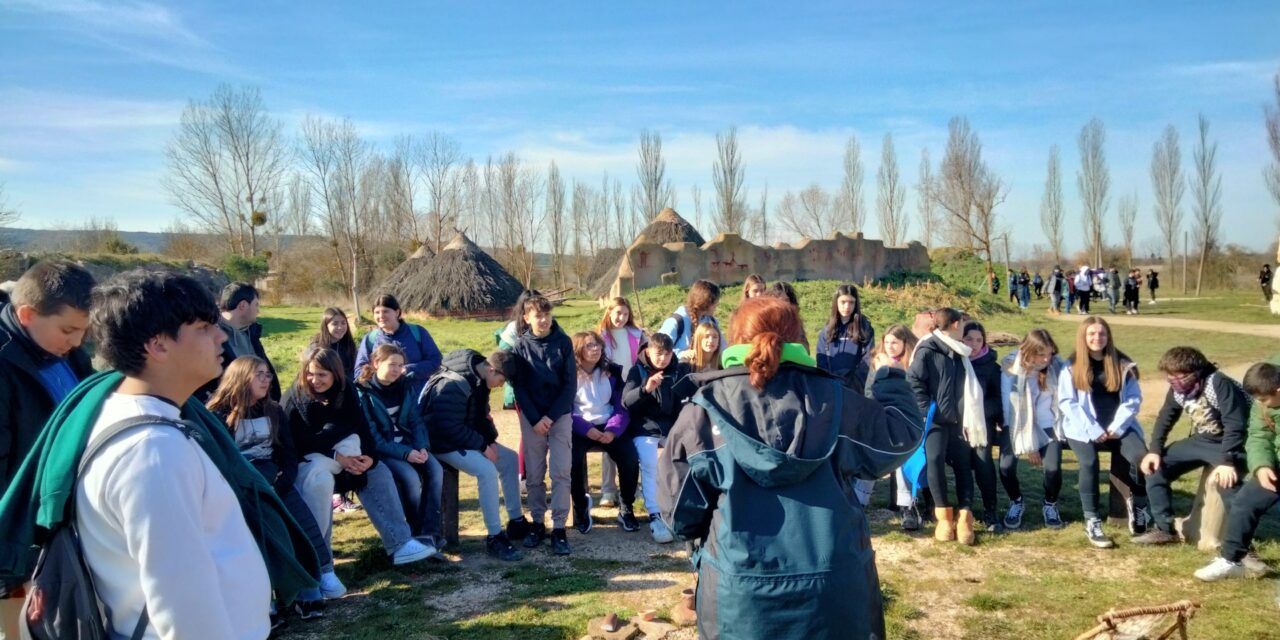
(297,508)
(379,498)
(489,477)
(419,488)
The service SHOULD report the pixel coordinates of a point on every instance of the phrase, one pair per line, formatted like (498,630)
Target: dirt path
(1263,330)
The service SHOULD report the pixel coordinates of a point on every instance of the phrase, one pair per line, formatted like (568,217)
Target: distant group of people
(1077,288)
(205,499)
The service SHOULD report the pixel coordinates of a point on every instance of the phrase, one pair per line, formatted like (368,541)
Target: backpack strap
(679,329)
(128,424)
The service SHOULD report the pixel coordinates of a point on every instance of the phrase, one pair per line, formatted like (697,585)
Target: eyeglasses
(263,375)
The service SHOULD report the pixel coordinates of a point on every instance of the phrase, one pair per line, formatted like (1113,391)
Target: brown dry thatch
(604,270)
(668,226)
(416,262)
(462,280)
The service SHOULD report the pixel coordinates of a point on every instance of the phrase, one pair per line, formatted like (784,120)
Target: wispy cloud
(142,31)
(1251,70)
(41,110)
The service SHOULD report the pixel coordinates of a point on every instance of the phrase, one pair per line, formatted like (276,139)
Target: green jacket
(1262,448)
(37,500)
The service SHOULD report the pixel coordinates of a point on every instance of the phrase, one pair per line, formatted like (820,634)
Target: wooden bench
(449,505)
(1204,525)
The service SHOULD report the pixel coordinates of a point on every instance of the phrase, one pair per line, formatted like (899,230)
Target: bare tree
(555,218)
(469,202)
(1169,185)
(1094,182)
(728,176)
(578,216)
(891,196)
(850,198)
(695,194)
(1272,170)
(225,161)
(810,213)
(337,161)
(517,191)
(1051,216)
(926,211)
(400,191)
(967,191)
(1207,191)
(1128,215)
(656,192)
(762,217)
(438,159)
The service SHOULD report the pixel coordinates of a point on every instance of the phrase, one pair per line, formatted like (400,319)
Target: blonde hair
(1038,341)
(606,324)
(703,361)
(1113,360)
(903,334)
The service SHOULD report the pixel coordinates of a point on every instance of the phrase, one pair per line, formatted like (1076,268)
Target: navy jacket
(455,403)
(548,375)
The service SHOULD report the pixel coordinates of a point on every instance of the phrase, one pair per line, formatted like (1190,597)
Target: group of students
(211,490)
(1077,288)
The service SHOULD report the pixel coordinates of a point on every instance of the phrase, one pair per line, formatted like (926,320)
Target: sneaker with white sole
(1013,517)
(1139,518)
(412,551)
(331,587)
(659,530)
(1093,531)
(1220,569)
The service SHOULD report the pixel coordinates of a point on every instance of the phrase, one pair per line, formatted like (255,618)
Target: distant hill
(63,239)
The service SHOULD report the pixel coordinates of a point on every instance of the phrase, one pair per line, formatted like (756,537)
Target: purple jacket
(617,423)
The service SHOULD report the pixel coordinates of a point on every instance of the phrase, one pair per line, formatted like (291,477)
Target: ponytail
(764,358)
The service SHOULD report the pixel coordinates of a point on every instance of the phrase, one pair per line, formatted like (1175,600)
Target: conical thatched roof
(414,264)
(462,280)
(668,226)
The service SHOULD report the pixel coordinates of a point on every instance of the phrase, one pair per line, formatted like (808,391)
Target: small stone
(655,629)
(610,622)
(649,615)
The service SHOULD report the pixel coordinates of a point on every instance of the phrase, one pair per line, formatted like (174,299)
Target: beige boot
(964,528)
(946,529)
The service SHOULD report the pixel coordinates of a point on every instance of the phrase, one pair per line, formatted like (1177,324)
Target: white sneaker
(412,551)
(331,587)
(1220,569)
(660,531)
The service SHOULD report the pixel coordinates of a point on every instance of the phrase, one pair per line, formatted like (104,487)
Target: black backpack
(63,603)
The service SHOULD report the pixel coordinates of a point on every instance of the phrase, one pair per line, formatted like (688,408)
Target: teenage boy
(1259,494)
(1219,412)
(183,538)
(41,361)
(238,318)
(455,402)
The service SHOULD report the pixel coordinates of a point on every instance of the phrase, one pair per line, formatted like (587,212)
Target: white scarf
(1024,434)
(975,418)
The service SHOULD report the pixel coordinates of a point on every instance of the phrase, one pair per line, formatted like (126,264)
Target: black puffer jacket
(652,414)
(25,405)
(316,427)
(987,368)
(455,403)
(936,375)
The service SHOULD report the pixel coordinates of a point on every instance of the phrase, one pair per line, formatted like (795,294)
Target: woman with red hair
(760,473)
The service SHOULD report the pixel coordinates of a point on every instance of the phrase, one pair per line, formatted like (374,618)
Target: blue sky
(90,91)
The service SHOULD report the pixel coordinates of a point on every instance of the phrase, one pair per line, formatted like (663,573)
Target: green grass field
(1035,583)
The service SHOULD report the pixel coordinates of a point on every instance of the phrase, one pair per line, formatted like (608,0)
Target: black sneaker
(500,547)
(1052,518)
(309,609)
(991,519)
(1155,535)
(518,529)
(559,542)
(910,518)
(537,534)
(582,516)
(277,623)
(1093,531)
(627,520)
(1139,518)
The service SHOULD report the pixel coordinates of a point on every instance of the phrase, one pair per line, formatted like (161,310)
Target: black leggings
(984,470)
(623,452)
(1130,447)
(943,446)
(1051,459)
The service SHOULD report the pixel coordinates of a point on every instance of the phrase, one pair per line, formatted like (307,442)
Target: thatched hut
(461,281)
(668,226)
(415,263)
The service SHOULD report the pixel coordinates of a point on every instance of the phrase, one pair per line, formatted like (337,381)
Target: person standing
(422,356)
(1054,285)
(810,574)
(622,340)
(1113,289)
(1153,283)
(1032,423)
(1013,286)
(41,361)
(1024,289)
(1037,283)
(846,339)
(1264,279)
(1084,289)
(239,307)
(986,366)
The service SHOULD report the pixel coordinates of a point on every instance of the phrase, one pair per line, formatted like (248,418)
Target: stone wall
(728,260)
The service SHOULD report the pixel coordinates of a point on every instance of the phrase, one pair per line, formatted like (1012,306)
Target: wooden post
(449,505)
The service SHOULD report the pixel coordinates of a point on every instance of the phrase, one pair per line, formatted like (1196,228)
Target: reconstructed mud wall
(728,260)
